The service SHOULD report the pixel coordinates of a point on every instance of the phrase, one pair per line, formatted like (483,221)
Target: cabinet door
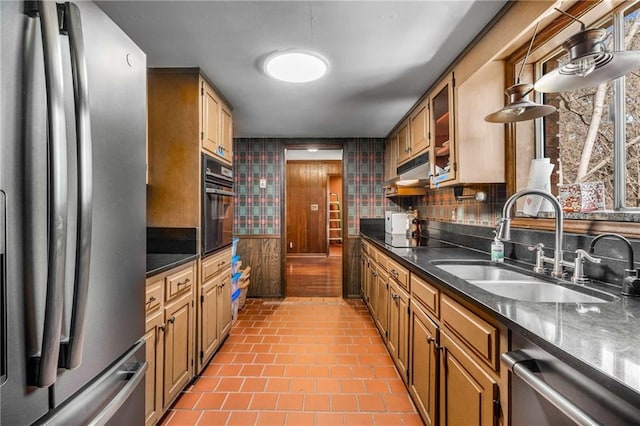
(382,301)
(404,145)
(423,363)
(391,157)
(468,394)
(209,337)
(442,128)
(178,347)
(153,379)
(224,304)
(226,136)
(398,327)
(210,120)
(420,129)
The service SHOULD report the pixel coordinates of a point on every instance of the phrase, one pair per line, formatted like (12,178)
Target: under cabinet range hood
(413,178)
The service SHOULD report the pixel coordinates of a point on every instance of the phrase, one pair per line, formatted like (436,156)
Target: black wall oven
(217,204)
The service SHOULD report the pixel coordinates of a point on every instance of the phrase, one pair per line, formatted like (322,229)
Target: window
(582,136)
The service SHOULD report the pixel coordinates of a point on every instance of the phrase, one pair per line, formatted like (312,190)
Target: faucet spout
(592,246)
(505,223)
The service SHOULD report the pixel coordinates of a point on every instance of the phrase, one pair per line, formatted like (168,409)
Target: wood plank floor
(315,276)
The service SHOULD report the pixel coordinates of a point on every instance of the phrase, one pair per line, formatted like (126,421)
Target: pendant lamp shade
(519,107)
(589,64)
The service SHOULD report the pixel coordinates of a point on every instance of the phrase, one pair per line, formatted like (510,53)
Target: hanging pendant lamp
(590,64)
(519,107)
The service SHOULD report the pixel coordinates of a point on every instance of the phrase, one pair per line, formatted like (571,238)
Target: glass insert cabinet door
(443,141)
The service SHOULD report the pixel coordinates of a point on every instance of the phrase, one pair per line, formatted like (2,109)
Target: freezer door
(116,83)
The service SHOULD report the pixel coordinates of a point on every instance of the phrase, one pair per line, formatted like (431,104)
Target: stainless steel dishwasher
(547,391)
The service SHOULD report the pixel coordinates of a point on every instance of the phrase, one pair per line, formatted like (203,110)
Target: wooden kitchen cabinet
(169,337)
(154,345)
(178,347)
(186,117)
(404,143)
(419,129)
(214,307)
(398,336)
(391,157)
(381,299)
(216,134)
(423,362)
(468,394)
(443,145)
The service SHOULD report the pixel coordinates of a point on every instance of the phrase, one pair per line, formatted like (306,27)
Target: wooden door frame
(305,144)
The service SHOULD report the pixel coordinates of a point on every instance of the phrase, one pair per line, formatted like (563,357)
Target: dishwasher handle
(518,362)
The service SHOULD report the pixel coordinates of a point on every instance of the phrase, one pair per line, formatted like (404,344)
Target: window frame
(623,219)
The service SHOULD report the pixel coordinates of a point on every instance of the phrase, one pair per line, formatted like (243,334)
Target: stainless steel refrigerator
(72,217)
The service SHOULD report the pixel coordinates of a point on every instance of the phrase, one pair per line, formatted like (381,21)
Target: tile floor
(299,361)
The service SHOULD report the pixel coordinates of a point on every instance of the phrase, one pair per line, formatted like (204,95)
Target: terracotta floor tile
(300,419)
(205,384)
(253,384)
(230,384)
(187,400)
(370,403)
(214,418)
(278,385)
(358,420)
(264,401)
(329,419)
(271,419)
(398,403)
(290,401)
(211,401)
(242,418)
(309,361)
(184,418)
(317,402)
(237,401)
(352,386)
(344,403)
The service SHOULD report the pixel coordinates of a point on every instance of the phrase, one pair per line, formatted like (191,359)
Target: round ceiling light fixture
(295,66)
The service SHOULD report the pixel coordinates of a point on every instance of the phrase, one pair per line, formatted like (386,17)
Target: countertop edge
(162,262)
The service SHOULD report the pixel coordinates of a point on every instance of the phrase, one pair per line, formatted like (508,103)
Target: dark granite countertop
(160,262)
(602,340)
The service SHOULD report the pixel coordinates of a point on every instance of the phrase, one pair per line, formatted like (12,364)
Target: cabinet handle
(171,320)
(431,340)
(162,327)
(151,300)
(395,297)
(185,282)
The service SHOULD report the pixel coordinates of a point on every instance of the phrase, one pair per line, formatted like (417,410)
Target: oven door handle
(219,176)
(516,362)
(219,192)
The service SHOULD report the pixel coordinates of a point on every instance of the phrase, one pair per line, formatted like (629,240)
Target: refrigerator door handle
(44,366)
(71,351)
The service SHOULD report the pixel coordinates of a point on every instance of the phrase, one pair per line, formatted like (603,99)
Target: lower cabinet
(468,394)
(423,363)
(446,351)
(398,335)
(169,338)
(178,347)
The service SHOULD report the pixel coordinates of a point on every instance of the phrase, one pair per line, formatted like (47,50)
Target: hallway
(315,276)
(298,361)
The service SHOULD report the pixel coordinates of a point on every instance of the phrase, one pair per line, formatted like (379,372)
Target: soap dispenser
(497,249)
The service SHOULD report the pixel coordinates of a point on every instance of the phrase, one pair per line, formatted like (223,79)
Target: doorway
(313,222)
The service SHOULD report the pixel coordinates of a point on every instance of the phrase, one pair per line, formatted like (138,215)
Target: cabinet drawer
(216,263)
(153,296)
(179,282)
(426,294)
(399,273)
(480,336)
(383,261)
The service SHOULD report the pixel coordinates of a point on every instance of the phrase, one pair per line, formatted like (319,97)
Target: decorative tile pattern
(257,211)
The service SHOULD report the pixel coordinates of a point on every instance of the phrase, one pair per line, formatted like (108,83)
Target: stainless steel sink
(505,282)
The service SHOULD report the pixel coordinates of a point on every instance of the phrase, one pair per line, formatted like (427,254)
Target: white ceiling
(383,55)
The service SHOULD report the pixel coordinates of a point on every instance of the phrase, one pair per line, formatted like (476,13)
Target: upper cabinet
(216,134)
(419,129)
(404,143)
(443,136)
(391,157)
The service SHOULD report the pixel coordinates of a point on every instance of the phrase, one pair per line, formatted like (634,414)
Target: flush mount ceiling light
(519,107)
(295,66)
(590,64)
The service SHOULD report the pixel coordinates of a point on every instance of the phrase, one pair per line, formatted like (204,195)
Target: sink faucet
(504,225)
(631,281)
